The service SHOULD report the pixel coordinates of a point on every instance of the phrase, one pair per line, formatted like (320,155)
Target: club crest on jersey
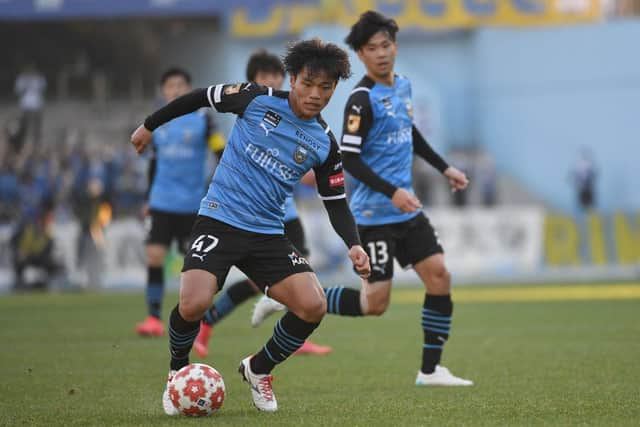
(231,89)
(300,154)
(386,101)
(353,123)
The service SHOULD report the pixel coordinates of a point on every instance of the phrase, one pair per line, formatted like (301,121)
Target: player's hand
(405,201)
(140,138)
(360,261)
(457,179)
(145,210)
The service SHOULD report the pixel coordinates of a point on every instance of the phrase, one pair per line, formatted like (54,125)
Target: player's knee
(314,309)
(441,275)
(192,309)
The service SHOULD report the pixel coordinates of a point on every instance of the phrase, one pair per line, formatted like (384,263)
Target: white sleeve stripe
(366,89)
(270,91)
(338,197)
(352,139)
(209,95)
(350,149)
(327,130)
(217,93)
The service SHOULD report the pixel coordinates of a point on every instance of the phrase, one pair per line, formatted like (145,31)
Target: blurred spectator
(583,177)
(487,180)
(32,248)
(30,87)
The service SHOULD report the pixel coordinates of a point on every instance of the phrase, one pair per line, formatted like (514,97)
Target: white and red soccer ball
(197,390)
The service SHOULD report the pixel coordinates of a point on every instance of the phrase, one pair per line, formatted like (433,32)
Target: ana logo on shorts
(300,155)
(297,259)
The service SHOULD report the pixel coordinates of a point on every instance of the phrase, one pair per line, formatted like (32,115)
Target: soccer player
(176,185)
(378,144)
(267,70)
(277,137)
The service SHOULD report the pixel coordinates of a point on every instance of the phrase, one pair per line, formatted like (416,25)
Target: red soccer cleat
(151,327)
(201,344)
(310,348)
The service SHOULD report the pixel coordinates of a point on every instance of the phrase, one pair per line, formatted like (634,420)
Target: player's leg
(373,298)
(215,247)
(288,278)
(233,295)
(421,248)
(158,240)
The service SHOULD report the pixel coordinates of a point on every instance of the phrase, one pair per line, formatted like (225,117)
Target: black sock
(436,323)
(289,334)
(343,301)
(182,333)
(155,290)
(233,296)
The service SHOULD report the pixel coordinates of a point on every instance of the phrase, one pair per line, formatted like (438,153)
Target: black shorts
(163,227)
(295,233)
(409,242)
(265,258)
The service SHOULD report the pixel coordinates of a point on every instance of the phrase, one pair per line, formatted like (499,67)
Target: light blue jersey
(268,151)
(378,122)
(290,210)
(180,148)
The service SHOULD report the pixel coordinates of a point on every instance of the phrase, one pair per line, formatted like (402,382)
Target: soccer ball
(197,390)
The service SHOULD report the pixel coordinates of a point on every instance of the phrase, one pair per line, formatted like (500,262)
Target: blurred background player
(267,70)
(378,143)
(240,219)
(177,182)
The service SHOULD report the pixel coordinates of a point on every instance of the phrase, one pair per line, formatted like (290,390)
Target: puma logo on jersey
(266,129)
(199,256)
(357,108)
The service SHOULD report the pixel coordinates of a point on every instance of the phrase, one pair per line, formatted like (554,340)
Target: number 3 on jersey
(378,252)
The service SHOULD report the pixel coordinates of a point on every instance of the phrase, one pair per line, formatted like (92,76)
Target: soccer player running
(176,185)
(378,144)
(277,137)
(267,70)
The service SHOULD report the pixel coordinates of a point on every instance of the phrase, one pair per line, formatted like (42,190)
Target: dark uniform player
(378,144)
(177,183)
(277,138)
(265,69)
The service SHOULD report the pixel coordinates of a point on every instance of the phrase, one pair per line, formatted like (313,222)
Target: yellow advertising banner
(276,18)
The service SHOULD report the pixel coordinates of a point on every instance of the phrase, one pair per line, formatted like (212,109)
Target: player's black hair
(369,24)
(263,61)
(317,57)
(173,72)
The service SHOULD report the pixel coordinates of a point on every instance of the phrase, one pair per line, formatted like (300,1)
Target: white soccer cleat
(441,377)
(264,308)
(167,404)
(261,390)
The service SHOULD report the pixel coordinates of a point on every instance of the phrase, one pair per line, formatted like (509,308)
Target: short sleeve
(358,119)
(329,175)
(234,98)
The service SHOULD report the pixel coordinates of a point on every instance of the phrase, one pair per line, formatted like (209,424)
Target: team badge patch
(300,155)
(231,89)
(387,103)
(353,123)
(272,118)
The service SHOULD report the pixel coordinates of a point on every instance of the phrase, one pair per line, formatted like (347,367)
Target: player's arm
(330,183)
(358,119)
(457,179)
(232,98)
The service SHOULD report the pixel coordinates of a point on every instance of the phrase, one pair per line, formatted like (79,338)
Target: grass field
(570,358)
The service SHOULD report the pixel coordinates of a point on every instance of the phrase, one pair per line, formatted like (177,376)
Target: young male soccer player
(177,184)
(277,138)
(267,70)
(378,143)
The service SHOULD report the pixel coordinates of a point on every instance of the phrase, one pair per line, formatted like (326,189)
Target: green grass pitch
(73,359)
